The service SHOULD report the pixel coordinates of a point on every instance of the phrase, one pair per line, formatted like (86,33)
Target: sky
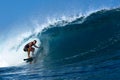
(18,12)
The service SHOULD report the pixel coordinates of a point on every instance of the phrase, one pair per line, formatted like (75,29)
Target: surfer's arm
(36,46)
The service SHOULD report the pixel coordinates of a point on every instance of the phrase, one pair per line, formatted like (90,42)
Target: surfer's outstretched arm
(36,46)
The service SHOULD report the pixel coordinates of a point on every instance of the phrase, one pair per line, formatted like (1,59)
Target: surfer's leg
(33,49)
(28,52)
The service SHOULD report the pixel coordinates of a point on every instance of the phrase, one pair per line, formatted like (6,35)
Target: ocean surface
(86,48)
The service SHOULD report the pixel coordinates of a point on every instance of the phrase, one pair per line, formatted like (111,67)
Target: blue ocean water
(88,48)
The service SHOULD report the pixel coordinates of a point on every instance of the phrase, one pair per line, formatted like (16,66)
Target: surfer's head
(34,41)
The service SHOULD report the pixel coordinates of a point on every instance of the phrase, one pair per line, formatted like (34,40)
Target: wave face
(97,37)
(86,48)
(93,41)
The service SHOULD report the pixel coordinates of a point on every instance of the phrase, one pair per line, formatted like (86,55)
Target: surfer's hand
(38,47)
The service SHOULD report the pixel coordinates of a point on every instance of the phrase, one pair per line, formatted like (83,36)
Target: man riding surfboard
(29,47)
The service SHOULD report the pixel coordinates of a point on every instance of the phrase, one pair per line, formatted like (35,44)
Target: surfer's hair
(35,41)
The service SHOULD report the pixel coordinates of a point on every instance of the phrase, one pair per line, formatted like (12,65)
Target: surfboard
(29,59)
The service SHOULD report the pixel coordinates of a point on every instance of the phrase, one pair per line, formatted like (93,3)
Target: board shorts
(26,47)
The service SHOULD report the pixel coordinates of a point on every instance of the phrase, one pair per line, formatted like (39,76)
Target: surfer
(29,47)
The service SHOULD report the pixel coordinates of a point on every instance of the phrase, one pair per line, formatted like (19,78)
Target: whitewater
(72,48)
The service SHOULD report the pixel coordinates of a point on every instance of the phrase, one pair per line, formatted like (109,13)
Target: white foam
(10,54)
(3,63)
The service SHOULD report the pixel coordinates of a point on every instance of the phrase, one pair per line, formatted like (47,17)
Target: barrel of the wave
(76,42)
